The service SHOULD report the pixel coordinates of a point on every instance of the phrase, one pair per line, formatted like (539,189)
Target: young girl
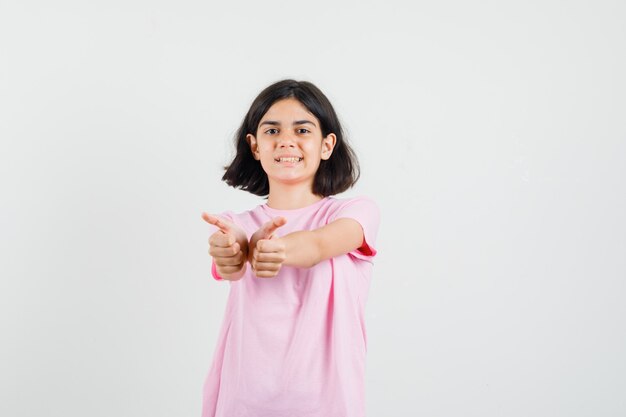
(293,340)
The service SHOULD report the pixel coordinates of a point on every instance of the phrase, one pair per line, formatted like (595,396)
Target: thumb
(270,227)
(224,225)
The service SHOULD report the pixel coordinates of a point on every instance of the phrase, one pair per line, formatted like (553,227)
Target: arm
(308,248)
(305,249)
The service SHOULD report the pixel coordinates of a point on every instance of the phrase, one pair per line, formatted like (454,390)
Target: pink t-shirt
(294,345)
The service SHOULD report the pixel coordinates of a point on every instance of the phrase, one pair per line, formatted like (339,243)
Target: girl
(293,339)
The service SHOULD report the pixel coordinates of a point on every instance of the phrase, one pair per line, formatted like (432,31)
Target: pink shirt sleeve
(214,272)
(365,211)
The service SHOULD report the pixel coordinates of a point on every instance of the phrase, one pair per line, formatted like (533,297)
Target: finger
(223,225)
(222,239)
(265,274)
(269,245)
(270,227)
(224,252)
(266,266)
(276,257)
(229,261)
(225,270)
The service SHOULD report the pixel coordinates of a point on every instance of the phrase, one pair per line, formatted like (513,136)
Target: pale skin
(287,130)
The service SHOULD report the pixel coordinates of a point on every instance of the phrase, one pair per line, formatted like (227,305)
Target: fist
(267,253)
(228,254)
(268,256)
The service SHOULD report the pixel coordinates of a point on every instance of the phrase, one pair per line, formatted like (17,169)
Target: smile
(288,159)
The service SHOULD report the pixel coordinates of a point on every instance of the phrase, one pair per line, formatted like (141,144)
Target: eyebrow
(275,123)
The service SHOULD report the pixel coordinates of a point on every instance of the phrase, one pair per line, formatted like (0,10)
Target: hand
(228,247)
(268,253)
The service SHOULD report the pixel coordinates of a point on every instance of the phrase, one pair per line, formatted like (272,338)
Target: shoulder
(242,213)
(361,204)
(246,218)
(366,212)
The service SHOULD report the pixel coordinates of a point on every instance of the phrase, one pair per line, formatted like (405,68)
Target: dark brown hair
(335,175)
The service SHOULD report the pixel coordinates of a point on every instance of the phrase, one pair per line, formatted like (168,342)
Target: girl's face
(289,144)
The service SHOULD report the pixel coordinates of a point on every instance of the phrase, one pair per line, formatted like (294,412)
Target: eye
(303,130)
(271,131)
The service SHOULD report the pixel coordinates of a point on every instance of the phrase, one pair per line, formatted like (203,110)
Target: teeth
(292,159)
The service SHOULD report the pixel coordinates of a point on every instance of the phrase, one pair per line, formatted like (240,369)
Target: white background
(492,135)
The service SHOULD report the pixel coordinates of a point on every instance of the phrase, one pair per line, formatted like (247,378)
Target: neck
(290,197)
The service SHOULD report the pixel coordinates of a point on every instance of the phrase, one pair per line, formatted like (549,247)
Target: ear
(253,145)
(328,144)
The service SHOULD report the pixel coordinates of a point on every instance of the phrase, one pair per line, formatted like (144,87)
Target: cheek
(262,150)
(264,147)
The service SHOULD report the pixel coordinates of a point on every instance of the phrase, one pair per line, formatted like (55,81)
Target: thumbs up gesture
(228,247)
(267,253)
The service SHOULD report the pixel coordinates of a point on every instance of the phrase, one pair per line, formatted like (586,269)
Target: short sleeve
(212,229)
(366,212)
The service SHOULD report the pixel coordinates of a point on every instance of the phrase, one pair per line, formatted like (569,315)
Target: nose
(285,141)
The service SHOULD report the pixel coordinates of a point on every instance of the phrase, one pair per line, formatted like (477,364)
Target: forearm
(302,249)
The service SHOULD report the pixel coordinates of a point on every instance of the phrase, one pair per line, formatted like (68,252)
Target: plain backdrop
(491,134)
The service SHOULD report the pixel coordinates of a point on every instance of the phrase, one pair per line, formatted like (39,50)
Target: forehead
(288,109)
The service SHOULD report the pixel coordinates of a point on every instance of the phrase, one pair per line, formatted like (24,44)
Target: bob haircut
(335,175)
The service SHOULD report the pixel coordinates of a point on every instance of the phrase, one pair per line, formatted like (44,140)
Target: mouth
(291,159)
